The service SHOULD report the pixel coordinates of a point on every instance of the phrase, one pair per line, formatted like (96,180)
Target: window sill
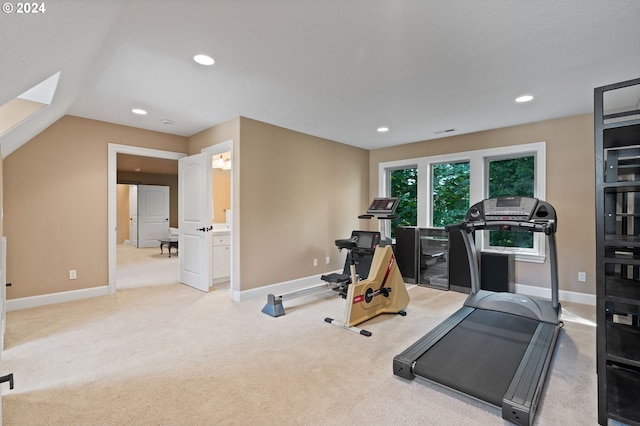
(521,257)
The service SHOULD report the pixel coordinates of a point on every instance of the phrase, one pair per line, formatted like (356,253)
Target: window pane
(511,177)
(450,193)
(404,185)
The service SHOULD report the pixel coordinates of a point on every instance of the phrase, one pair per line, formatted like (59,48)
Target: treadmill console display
(503,213)
(509,208)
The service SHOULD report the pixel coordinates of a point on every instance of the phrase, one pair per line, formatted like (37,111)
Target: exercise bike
(384,290)
(360,247)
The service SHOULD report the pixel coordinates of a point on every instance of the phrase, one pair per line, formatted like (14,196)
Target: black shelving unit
(433,268)
(422,255)
(617,161)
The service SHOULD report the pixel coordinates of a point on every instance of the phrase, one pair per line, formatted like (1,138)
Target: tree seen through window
(404,185)
(511,177)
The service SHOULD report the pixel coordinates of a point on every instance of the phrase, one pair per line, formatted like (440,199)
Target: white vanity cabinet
(221,258)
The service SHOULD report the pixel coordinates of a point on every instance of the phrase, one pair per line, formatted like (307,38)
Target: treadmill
(496,348)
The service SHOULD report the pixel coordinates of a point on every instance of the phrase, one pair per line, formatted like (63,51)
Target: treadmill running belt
(480,356)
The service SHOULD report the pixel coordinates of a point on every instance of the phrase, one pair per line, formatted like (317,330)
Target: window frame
(478,186)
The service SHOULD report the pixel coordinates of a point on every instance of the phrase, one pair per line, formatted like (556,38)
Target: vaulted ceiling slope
(337,69)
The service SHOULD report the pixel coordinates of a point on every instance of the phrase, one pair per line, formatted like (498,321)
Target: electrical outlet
(315,262)
(582,277)
(73,274)
(328,260)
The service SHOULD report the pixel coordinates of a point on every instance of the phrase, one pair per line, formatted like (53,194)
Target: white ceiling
(337,69)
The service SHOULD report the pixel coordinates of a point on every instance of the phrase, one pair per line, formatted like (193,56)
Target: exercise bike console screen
(365,239)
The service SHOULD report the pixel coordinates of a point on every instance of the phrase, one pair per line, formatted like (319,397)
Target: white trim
(481,154)
(49,299)
(520,257)
(112,181)
(478,162)
(278,288)
(564,296)
(300,283)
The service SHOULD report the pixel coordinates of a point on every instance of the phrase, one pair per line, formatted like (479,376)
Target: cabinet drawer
(623,384)
(220,240)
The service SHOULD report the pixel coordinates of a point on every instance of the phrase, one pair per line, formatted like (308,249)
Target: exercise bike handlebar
(371,216)
(349,243)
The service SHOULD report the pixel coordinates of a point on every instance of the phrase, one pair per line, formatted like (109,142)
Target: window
(511,176)
(450,193)
(456,181)
(404,185)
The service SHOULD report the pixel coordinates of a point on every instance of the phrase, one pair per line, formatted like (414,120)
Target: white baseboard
(287,286)
(49,299)
(278,288)
(564,296)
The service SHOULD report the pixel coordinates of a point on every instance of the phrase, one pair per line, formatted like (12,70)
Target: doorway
(114,150)
(139,260)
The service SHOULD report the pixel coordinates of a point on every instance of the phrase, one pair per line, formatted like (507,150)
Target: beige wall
(570,188)
(221,194)
(224,132)
(299,193)
(229,130)
(123,215)
(55,204)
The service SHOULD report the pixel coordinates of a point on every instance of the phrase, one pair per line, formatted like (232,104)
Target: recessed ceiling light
(139,111)
(203,59)
(166,122)
(383,129)
(524,98)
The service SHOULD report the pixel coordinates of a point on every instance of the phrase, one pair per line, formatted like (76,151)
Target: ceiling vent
(440,132)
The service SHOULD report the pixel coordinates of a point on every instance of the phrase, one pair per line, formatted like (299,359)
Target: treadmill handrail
(495,324)
(546,224)
(546,227)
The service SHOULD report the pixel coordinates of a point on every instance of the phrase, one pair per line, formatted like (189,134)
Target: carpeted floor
(171,355)
(142,267)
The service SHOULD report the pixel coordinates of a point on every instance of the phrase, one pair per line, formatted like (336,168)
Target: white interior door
(194,218)
(153,214)
(3,304)
(133,215)
(3,291)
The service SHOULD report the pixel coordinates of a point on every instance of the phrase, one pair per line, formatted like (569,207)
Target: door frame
(112,181)
(234,228)
(133,202)
(226,146)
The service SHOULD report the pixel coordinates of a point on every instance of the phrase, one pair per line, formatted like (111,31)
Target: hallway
(142,267)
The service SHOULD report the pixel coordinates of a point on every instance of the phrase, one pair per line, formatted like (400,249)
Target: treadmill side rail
(521,399)
(403,362)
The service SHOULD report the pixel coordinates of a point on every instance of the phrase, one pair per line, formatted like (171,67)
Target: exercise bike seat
(349,243)
(336,278)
